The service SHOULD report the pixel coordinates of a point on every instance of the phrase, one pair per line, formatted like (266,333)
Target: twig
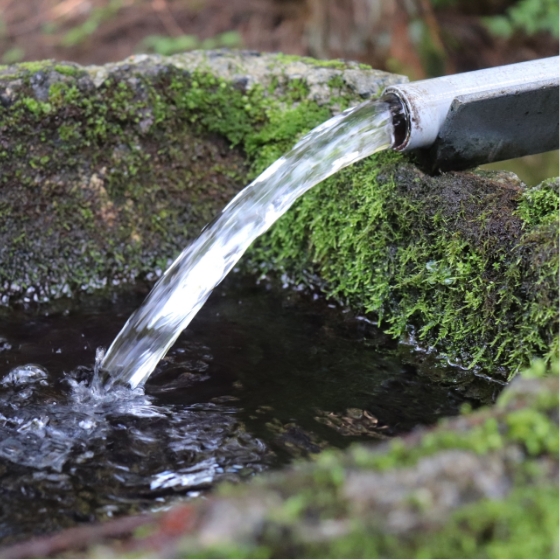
(75,538)
(167,18)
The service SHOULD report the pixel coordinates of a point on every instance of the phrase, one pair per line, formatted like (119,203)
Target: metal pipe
(463,120)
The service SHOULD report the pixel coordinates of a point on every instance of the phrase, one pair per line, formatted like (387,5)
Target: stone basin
(106,173)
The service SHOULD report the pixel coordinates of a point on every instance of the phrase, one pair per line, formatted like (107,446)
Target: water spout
(464,120)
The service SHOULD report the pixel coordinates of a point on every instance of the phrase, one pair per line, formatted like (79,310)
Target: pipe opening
(399,113)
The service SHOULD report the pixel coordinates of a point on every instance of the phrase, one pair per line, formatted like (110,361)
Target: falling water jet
(433,116)
(188,282)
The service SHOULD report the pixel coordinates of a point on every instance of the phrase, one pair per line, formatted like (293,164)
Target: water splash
(181,292)
(47,428)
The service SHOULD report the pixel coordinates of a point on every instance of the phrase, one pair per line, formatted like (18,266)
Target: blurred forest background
(419,38)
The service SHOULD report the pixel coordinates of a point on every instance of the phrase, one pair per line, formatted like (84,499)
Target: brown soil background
(382,33)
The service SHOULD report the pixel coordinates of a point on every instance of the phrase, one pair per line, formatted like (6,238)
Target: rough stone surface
(108,172)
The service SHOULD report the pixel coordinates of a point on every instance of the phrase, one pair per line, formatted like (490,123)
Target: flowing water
(260,377)
(186,285)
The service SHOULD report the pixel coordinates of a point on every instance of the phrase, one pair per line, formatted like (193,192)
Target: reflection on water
(257,379)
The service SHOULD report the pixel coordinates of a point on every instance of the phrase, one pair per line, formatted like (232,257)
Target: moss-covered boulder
(484,485)
(108,172)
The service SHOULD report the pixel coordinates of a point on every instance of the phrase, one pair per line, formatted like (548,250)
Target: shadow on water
(260,376)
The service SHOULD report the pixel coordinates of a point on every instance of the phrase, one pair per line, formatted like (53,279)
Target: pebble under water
(261,376)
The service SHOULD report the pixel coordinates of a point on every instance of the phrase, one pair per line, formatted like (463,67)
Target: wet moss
(464,263)
(336,64)
(486,529)
(522,523)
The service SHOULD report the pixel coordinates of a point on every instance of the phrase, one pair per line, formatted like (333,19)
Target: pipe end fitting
(400,119)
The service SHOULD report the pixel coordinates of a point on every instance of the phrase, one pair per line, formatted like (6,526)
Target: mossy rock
(484,485)
(108,172)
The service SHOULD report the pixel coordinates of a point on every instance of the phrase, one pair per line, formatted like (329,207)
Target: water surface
(259,377)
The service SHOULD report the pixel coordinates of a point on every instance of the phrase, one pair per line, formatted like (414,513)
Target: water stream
(188,282)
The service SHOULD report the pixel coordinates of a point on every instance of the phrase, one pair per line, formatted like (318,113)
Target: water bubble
(432,266)
(11,449)
(4,344)
(22,375)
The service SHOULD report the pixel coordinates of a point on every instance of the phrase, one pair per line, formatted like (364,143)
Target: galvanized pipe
(463,120)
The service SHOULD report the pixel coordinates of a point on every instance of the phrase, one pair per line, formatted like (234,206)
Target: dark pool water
(260,377)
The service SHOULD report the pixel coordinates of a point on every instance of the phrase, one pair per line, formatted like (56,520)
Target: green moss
(35,66)
(386,239)
(523,525)
(539,205)
(335,64)
(26,69)
(68,70)
(541,368)
(36,107)
(456,265)
(500,503)
(281,129)
(306,512)
(336,82)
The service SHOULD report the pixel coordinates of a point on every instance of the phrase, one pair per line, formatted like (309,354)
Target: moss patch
(338,64)
(107,173)
(464,263)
